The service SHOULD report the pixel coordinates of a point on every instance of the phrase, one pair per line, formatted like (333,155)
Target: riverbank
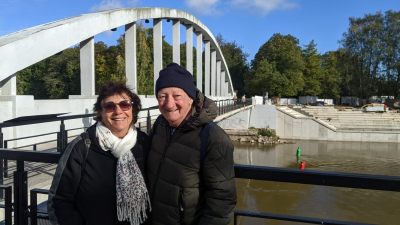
(254,135)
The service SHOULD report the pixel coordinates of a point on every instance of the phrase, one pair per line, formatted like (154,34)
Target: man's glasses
(125,105)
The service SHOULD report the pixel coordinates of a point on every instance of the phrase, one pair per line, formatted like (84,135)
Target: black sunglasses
(125,105)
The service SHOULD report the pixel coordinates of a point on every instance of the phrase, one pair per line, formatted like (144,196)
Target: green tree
(63,74)
(392,51)
(312,72)
(102,74)
(266,78)
(284,53)
(236,59)
(330,79)
(145,76)
(30,80)
(363,41)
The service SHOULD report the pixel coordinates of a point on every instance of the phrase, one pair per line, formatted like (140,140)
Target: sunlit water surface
(367,206)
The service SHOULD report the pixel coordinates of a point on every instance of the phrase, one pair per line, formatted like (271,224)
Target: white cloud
(263,6)
(206,7)
(113,4)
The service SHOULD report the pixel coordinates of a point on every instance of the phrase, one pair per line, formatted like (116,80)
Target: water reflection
(356,205)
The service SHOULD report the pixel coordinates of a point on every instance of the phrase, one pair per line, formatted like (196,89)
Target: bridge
(24,48)
(27,47)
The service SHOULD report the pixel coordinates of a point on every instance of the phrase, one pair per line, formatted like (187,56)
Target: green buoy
(298,152)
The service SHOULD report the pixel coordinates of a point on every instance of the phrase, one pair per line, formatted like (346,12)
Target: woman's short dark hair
(113,88)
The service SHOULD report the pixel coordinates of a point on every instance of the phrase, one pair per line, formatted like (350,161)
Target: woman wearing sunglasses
(99,178)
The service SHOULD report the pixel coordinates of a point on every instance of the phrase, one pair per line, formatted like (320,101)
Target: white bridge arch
(26,47)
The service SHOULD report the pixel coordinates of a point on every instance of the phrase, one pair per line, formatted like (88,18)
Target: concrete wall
(289,127)
(258,116)
(235,120)
(263,116)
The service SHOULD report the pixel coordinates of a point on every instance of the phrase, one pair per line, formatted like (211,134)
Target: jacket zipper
(181,206)
(161,163)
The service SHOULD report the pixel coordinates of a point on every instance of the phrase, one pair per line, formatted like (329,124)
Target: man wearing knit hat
(190,164)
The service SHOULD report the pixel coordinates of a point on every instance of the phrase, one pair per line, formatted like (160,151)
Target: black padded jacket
(183,188)
(83,192)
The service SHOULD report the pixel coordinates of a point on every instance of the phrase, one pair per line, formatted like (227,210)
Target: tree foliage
(284,53)
(61,76)
(330,78)
(373,44)
(312,72)
(236,59)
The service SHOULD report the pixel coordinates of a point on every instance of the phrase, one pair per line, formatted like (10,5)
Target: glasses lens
(109,106)
(125,105)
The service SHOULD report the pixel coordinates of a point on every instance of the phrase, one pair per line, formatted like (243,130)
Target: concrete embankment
(252,136)
(291,124)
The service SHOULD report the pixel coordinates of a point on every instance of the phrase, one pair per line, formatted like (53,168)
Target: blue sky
(250,23)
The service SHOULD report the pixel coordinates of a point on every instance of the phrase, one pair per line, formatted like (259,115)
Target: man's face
(174,105)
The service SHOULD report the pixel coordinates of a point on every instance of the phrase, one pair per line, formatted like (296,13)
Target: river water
(367,206)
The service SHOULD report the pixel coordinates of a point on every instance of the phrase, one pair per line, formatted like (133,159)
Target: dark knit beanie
(176,76)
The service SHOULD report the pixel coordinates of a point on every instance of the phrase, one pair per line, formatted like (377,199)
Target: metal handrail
(7,204)
(335,179)
(290,218)
(33,213)
(314,177)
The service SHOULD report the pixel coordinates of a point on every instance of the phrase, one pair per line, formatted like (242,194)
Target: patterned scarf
(132,196)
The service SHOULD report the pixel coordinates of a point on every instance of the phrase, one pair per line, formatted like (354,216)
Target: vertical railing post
(224,106)
(148,122)
(20,195)
(63,138)
(1,177)
(33,208)
(5,162)
(234,218)
(219,107)
(1,163)
(8,205)
(1,138)
(58,142)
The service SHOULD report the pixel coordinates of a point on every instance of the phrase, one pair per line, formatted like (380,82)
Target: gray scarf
(132,195)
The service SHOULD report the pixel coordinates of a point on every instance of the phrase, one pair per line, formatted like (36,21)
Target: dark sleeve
(66,180)
(219,180)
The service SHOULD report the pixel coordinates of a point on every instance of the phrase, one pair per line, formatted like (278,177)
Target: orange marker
(302,165)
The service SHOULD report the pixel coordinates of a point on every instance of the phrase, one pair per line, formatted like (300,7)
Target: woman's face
(116,114)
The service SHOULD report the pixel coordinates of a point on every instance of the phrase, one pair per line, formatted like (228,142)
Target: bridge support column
(130,56)
(213,72)
(87,67)
(218,91)
(199,61)
(157,48)
(189,48)
(207,68)
(223,84)
(9,86)
(176,41)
